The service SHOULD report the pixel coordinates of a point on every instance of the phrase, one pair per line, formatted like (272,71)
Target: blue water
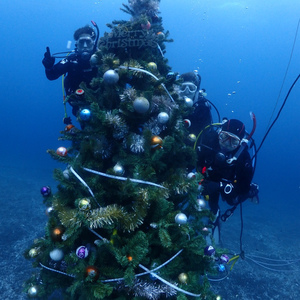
(239,46)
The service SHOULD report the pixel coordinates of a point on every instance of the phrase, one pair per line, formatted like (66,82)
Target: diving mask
(228,141)
(188,89)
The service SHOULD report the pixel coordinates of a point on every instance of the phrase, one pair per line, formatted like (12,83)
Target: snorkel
(244,142)
(98,33)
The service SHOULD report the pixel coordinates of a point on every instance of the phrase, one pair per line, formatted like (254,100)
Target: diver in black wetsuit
(190,88)
(76,65)
(227,171)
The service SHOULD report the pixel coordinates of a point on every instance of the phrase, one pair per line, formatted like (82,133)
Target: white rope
(150,74)
(170,284)
(84,183)
(57,271)
(123,178)
(162,54)
(98,235)
(149,271)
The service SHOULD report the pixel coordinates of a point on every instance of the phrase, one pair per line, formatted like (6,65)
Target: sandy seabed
(267,233)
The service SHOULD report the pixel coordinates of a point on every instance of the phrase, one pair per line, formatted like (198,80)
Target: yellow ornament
(152,66)
(34,252)
(156,142)
(183,278)
(192,137)
(84,204)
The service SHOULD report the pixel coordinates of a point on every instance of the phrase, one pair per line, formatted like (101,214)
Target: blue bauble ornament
(221,268)
(111,77)
(85,114)
(46,191)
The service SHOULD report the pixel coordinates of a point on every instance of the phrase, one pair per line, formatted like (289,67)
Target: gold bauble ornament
(152,66)
(192,137)
(34,252)
(84,204)
(183,278)
(156,142)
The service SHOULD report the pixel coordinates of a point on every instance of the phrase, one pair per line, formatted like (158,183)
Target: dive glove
(48,60)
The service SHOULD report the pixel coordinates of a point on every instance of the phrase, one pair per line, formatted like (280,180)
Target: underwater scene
(150,149)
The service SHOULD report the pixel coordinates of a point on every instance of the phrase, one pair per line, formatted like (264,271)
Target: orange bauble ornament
(57,233)
(156,142)
(92,273)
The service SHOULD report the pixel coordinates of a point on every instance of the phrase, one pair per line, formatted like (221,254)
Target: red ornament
(61,151)
(92,272)
(146,26)
(79,92)
(69,127)
(187,123)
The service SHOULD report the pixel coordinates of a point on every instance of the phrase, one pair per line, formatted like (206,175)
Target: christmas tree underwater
(125,222)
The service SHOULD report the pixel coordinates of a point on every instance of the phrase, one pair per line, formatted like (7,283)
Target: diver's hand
(67,121)
(48,60)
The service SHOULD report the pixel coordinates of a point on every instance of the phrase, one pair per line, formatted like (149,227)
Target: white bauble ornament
(163,118)
(189,102)
(56,254)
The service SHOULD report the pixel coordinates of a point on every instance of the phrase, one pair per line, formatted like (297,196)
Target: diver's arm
(62,67)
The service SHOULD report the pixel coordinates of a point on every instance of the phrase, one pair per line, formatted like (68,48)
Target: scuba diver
(190,88)
(76,65)
(225,163)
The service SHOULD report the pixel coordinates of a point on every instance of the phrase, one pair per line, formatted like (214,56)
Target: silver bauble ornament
(200,204)
(111,77)
(56,254)
(163,118)
(181,218)
(141,105)
(66,174)
(118,169)
(32,292)
(94,60)
(189,102)
(191,175)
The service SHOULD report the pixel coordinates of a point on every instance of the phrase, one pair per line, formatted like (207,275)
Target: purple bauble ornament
(82,252)
(209,250)
(46,191)
(224,258)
